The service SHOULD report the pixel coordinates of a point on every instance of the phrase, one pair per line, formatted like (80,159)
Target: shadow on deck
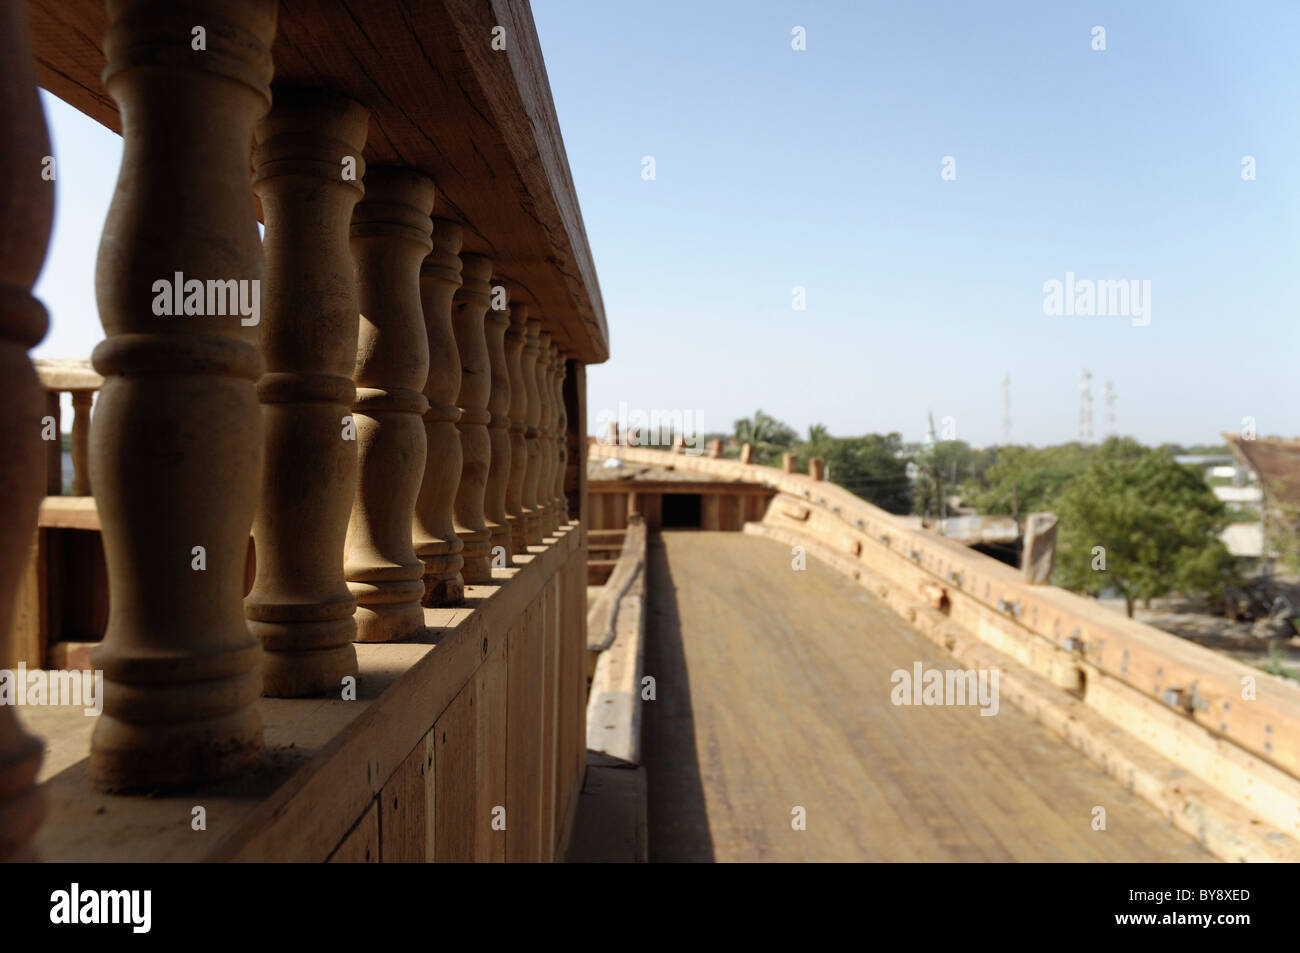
(774,693)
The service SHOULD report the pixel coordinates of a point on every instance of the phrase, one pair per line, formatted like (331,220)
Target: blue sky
(821,169)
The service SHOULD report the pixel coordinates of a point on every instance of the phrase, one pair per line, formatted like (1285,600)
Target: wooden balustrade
(436,542)
(77,378)
(371,423)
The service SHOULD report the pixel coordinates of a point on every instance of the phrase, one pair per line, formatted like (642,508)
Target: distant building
(1273,465)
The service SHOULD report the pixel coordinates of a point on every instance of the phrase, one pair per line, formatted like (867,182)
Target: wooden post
(307,173)
(715,450)
(390,238)
(470,307)
(747,453)
(82,401)
(436,542)
(545,448)
(518,425)
(532,449)
(494,501)
(561,440)
(817,468)
(28,201)
(176,450)
(54,447)
(1039,555)
(789,463)
(575,416)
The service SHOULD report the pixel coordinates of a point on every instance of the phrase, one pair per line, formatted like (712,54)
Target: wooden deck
(773,692)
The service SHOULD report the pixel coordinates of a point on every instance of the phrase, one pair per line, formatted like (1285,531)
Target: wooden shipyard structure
(396,672)
(360,586)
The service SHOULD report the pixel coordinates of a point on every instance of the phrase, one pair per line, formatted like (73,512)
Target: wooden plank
(614,705)
(329,760)
(455,777)
(70,374)
(559,795)
(710,515)
(630,564)
(681,484)
(523,753)
(27,641)
(572,679)
(549,633)
(766,724)
(611,822)
(650,506)
(406,806)
(361,844)
(491,687)
(1225,828)
(68,512)
(579,623)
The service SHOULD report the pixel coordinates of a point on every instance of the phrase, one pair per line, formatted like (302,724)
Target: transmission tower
(1085,407)
(1111,429)
(1006,410)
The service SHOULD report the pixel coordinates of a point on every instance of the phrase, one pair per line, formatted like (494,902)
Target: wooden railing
(392,669)
(1147,705)
(78,379)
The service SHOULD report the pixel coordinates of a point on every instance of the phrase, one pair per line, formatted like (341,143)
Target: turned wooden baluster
(545,445)
(552,445)
(28,203)
(436,542)
(307,173)
(82,401)
(470,307)
(518,424)
(494,503)
(561,441)
(532,443)
(390,238)
(176,450)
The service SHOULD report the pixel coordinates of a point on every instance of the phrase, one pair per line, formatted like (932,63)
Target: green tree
(820,443)
(1027,479)
(873,467)
(941,469)
(1135,520)
(767,435)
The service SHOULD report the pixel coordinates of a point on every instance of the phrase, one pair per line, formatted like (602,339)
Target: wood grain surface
(773,692)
